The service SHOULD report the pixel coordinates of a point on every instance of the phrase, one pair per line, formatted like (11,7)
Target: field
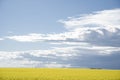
(58,74)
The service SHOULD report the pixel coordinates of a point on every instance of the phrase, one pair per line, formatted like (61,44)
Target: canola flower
(58,74)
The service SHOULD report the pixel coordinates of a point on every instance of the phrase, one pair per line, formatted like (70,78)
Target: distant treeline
(95,68)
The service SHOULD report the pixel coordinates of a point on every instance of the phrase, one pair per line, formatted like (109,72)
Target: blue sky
(26,16)
(60,33)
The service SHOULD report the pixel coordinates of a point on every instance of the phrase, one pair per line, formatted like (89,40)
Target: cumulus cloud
(37,58)
(38,53)
(88,39)
(108,19)
(99,28)
(75,56)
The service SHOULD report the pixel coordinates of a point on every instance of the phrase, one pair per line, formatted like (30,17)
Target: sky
(60,33)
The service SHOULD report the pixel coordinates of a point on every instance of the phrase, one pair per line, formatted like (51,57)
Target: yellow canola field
(58,74)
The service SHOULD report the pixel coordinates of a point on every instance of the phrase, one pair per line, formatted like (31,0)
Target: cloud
(56,65)
(1,39)
(91,40)
(108,19)
(34,37)
(100,28)
(37,58)
(91,60)
(75,56)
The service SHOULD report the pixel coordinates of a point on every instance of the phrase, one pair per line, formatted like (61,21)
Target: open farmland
(58,74)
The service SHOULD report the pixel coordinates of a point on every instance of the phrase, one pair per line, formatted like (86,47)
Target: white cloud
(56,65)
(56,57)
(104,50)
(92,34)
(100,28)
(9,55)
(27,38)
(39,53)
(34,37)
(34,58)
(1,39)
(108,19)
